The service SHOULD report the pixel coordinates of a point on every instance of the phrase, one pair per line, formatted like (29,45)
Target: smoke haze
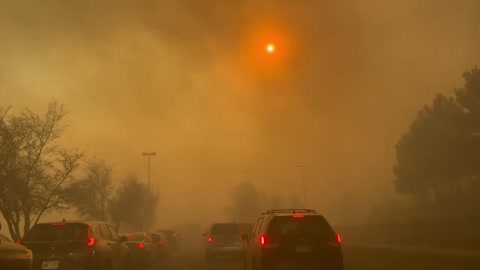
(189,80)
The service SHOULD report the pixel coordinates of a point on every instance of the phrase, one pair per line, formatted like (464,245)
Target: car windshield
(309,226)
(228,228)
(55,232)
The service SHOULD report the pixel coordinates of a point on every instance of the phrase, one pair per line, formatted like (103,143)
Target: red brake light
(298,215)
(91,241)
(209,239)
(263,240)
(58,224)
(19,242)
(141,245)
(339,239)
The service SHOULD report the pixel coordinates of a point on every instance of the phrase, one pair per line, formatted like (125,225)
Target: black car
(89,245)
(171,238)
(143,249)
(13,256)
(292,239)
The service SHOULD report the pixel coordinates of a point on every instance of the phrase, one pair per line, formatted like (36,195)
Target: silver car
(225,239)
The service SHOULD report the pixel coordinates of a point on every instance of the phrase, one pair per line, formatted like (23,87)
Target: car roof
(231,222)
(86,222)
(291,212)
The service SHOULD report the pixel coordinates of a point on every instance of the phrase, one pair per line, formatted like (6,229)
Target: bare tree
(134,205)
(91,195)
(33,168)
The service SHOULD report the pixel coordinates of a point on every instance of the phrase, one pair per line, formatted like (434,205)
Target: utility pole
(302,167)
(146,198)
(148,155)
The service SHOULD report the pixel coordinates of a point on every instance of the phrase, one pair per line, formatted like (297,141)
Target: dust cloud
(189,80)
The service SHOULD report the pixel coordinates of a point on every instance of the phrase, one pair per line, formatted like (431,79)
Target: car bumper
(224,251)
(71,262)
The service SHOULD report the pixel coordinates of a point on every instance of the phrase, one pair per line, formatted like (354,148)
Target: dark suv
(77,245)
(292,239)
(225,239)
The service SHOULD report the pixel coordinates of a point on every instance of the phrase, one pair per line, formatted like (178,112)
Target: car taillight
(91,241)
(141,245)
(298,215)
(263,240)
(339,239)
(209,239)
(19,242)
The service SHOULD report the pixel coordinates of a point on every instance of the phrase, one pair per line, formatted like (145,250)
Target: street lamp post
(149,154)
(302,167)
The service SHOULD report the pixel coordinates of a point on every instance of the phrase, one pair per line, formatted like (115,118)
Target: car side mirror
(244,237)
(123,239)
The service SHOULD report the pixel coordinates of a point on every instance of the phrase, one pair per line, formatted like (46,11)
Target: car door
(150,246)
(113,241)
(101,247)
(255,243)
(250,247)
(121,248)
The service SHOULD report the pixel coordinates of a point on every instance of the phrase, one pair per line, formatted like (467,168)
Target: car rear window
(136,237)
(57,232)
(309,226)
(227,228)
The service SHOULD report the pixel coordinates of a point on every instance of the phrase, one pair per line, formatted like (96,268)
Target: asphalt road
(356,258)
(192,259)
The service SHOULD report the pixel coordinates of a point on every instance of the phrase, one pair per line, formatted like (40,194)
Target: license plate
(50,264)
(303,249)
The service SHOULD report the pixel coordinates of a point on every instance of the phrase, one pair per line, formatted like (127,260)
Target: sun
(270,48)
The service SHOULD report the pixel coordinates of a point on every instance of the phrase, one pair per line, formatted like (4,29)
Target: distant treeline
(449,233)
(438,158)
